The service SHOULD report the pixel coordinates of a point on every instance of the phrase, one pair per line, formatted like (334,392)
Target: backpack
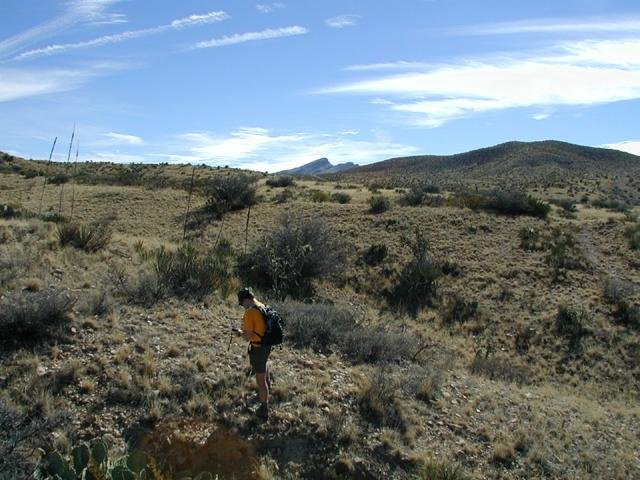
(274,326)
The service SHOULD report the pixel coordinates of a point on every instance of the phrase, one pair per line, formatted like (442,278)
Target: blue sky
(272,85)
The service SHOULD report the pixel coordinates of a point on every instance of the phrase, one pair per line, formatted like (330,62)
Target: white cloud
(23,83)
(269,7)
(541,116)
(400,65)
(77,11)
(630,146)
(123,138)
(577,73)
(252,36)
(554,25)
(181,23)
(342,21)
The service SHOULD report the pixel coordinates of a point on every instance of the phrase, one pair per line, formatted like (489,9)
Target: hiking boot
(263,411)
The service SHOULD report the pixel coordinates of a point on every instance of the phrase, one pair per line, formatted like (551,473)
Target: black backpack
(274,326)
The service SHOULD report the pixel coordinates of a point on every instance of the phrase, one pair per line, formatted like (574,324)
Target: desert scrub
(28,317)
(90,238)
(418,194)
(633,235)
(564,254)
(8,210)
(288,259)
(379,204)
(504,203)
(379,402)
(281,181)
(226,193)
(340,197)
(319,196)
(531,239)
(459,310)
(432,470)
(375,254)
(417,283)
(572,324)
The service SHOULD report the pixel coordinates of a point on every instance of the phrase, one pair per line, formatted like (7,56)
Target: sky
(273,85)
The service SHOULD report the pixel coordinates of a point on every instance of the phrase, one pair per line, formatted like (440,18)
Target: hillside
(319,167)
(523,363)
(517,164)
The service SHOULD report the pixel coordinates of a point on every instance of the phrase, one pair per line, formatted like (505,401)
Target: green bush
(226,193)
(564,254)
(633,234)
(340,197)
(419,195)
(417,283)
(58,179)
(27,317)
(319,196)
(375,254)
(571,323)
(281,181)
(379,204)
(504,203)
(90,238)
(8,210)
(288,259)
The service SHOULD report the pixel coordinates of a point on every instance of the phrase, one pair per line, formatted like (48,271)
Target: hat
(244,294)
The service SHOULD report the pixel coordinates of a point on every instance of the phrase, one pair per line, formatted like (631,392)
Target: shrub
(379,204)
(58,179)
(189,272)
(419,194)
(418,281)
(226,193)
(628,314)
(284,196)
(459,310)
(441,471)
(423,382)
(8,210)
(375,254)
(617,290)
(340,197)
(499,368)
(319,196)
(611,204)
(564,253)
(90,238)
(379,403)
(281,181)
(531,239)
(566,204)
(288,259)
(571,323)
(365,344)
(505,203)
(34,316)
(633,234)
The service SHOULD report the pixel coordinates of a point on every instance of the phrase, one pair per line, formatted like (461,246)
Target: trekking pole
(73,133)
(230,334)
(186,216)
(73,183)
(246,229)
(46,174)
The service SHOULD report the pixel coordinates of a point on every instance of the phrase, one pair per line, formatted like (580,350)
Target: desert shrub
(571,323)
(611,204)
(325,327)
(226,193)
(30,173)
(616,290)
(419,195)
(379,402)
(504,203)
(417,283)
(34,316)
(319,196)
(379,204)
(564,253)
(287,260)
(58,179)
(633,235)
(90,238)
(424,382)
(284,196)
(628,314)
(281,181)
(531,239)
(8,210)
(99,303)
(340,197)
(375,254)
(188,271)
(459,310)
(440,471)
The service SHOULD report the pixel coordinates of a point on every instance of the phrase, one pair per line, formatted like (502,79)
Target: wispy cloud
(24,83)
(123,138)
(186,22)
(556,25)
(630,146)
(269,7)
(342,21)
(400,65)
(77,11)
(577,73)
(252,36)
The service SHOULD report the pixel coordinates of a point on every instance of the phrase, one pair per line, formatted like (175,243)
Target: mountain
(523,163)
(318,167)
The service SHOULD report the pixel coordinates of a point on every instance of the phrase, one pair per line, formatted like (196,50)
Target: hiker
(253,329)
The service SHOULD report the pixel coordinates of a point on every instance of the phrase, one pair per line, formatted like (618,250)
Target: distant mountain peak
(318,167)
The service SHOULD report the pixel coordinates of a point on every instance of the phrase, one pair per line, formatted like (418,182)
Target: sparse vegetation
(505,203)
(572,324)
(458,310)
(375,254)
(633,235)
(90,238)
(226,193)
(340,197)
(379,204)
(281,181)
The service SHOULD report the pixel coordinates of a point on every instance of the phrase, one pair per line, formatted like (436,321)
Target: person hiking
(253,329)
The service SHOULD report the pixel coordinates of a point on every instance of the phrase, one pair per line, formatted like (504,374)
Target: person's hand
(237,331)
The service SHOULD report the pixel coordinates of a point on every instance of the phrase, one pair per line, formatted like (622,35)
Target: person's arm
(247,330)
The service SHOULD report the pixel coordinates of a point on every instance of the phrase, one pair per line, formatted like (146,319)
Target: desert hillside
(432,332)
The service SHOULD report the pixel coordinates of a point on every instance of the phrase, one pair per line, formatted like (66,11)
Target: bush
(564,254)
(628,314)
(499,368)
(340,197)
(8,210)
(418,281)
(284,196)
(319,196)
(288,259)
(505,203)
(375,254)
(189,272)
(379,403)
(226,193)
(633,234)
(566,204)
(27,317)
(611,204)
(571,323)
(531,239)
(90,238)
(441,471)
(281,181)
(379,204)
(459,310)
(419,194)
(58,179)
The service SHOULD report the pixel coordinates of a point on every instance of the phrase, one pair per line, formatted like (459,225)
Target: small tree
(226,193)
